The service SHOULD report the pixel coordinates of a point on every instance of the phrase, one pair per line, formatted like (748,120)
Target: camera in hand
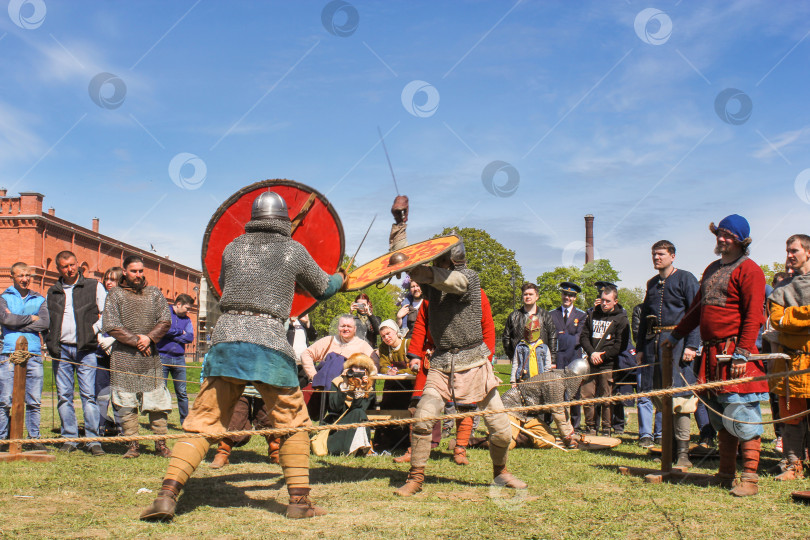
(356,373)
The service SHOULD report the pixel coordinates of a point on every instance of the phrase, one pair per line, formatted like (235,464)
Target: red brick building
(31,236)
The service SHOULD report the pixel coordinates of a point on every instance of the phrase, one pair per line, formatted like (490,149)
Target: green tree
(501,275)
(548,286)
(548,283)
(630,298)
(770,271)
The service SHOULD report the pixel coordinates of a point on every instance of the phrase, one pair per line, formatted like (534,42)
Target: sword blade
(351,262)
(388,159)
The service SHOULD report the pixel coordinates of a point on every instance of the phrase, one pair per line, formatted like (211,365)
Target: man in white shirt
(75,305)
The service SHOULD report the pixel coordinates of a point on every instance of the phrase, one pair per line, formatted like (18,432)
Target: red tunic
(421,339)
(730,303)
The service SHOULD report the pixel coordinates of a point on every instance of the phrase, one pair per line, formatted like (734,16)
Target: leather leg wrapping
(420,449)
(463,431)
(293,456)
(750,451)
(498,454)
(159,421)
(727,448)
(186,456)
(129,422)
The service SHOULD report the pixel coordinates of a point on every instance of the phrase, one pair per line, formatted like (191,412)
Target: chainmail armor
(138,313)
(545,388)
(455,323)
(260,270)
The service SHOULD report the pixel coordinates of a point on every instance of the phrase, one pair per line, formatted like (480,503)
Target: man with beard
(669,294)
(728,308)
(138,316)
(789,308)
(460,369)
(260,271)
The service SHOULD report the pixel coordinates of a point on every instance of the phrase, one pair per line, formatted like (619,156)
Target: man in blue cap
(568,321)
(728,308)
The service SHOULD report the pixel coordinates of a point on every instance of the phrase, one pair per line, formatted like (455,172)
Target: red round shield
(315,225)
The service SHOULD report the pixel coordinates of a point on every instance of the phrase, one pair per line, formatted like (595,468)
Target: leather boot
(404,458)
(413,485)
(162,508)
(727,470)
(570,442)
(162,450)
(747,484)
(504,478)
(221,459)
(273,444)
(682,455)
(133,451)
(793,471)
(300,505)
(460,455)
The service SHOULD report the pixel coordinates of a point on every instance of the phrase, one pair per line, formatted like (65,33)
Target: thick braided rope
(405,421)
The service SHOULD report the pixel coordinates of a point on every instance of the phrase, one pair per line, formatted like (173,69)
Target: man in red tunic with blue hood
(728,308)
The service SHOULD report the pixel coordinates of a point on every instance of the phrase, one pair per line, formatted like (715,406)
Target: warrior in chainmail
(137,316)
(260,271)
(549,387)
(459,369)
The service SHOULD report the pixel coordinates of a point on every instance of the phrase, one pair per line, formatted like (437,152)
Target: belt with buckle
(659,329)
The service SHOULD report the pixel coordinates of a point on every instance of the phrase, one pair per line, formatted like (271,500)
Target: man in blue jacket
(172,350)
(22,313)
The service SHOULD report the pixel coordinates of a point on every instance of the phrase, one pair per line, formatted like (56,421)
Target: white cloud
(17,141)
(775,144)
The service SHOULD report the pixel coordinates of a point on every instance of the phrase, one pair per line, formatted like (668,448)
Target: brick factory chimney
(51,211)
(95,224)
(2,192)
(588,238)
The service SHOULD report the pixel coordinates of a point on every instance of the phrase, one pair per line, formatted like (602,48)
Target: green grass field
(571,495)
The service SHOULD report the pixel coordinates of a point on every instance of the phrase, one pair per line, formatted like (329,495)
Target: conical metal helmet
(579,367)
(269,205)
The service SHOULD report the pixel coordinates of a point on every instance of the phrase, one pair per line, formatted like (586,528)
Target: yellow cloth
(793,325)
(534,369)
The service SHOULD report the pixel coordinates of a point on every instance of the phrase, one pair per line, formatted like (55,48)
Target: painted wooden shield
(399,261)
(315,224)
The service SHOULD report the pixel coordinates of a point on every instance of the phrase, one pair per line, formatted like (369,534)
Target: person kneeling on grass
(352,393)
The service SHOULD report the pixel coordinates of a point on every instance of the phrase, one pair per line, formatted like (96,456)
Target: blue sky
(608,107)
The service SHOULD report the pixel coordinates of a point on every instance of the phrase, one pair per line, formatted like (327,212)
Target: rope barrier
(405,421)
(762,423)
